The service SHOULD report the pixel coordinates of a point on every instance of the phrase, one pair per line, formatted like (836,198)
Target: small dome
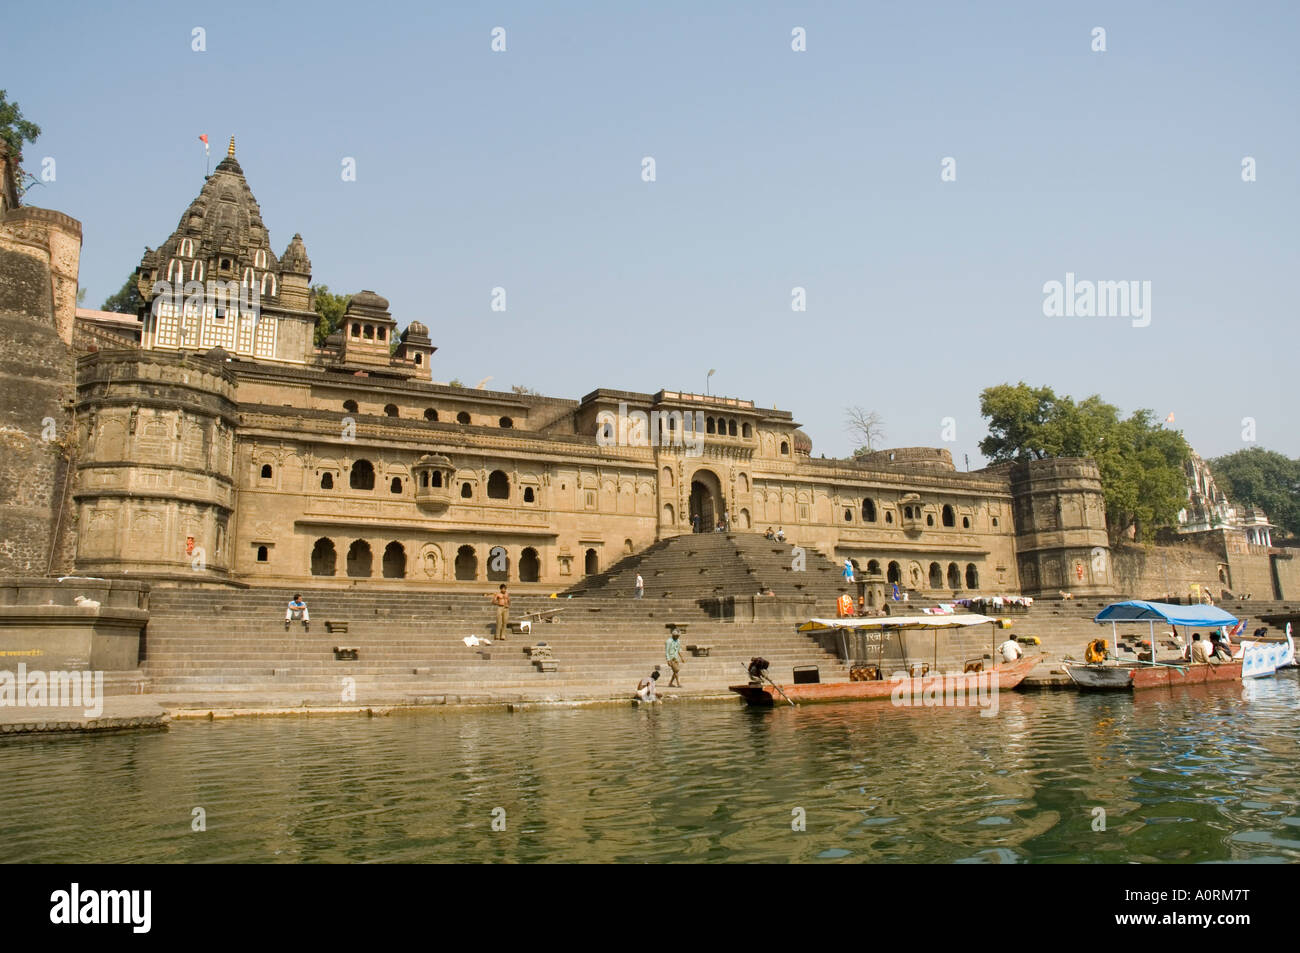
(415,327)
(433,460)
(802,442)
(370,300)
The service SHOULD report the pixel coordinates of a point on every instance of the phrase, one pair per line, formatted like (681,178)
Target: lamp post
(712,371)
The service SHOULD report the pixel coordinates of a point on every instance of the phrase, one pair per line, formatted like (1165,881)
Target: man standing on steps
(640,587)
(501,599)
(673,653)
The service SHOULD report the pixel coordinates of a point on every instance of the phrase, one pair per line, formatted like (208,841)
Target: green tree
(1263,478)
(14,129)
(127,300)
(331,308)
(1140,463)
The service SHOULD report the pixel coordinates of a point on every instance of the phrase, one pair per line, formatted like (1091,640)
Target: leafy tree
(331,308)
(1140,463)
(521,389)
(866,426)
(14,129)
(127,300)
(1263,478)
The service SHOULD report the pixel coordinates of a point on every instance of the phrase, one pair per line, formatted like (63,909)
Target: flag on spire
(1170,418)
(204,139)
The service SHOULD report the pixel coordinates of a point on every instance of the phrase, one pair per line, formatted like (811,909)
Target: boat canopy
(1137,611)
(898,622)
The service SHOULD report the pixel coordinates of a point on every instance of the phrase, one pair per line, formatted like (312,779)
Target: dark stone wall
(35,428)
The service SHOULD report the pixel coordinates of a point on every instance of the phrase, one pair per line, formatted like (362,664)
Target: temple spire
(231,150)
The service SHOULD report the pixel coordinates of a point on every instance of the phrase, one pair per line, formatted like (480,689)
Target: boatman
(1010,650)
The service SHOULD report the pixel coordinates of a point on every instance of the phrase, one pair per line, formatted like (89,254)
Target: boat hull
(1137,677)
(963,685)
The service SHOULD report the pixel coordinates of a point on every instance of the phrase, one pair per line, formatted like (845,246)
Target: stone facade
(228,449)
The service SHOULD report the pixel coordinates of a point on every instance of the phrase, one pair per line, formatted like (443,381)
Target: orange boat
(953,685)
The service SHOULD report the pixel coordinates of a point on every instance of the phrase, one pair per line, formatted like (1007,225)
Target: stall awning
(898,622)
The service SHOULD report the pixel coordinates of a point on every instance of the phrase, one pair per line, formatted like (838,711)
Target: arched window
(419,358)
(250,278)
(431,414)
(895,573)
(505,423)
(261,554)
(380,333)
(746,431)
(949,519)
(394,561)
(327,481)
(498,486)
(356,330)
(709,426)
(266,471)
(462,418)
(259,258)
(936,576)
(196,271)
(954,576)
(889,517)
(929,519)
(873,567)
(323,557)
(668,476)
(466,563)
(362,476)
(785,449)
(435,478)
(731,428)
(907,512)
(349,406)
(965,522)
(187,248)
(868,511)
(529,496)
(995,522)
(591,562)
(368,332)
(269,287)
(176,271)
(972,576)
(390,410)
(466,491)
(743,480)
(530,566)
(396,485)
(669,514)
(848,515)
(359,559)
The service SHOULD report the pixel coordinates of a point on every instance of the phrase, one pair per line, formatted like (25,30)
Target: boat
(1115,675)
(972,684)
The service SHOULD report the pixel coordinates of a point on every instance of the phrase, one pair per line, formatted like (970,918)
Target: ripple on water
(1183,777)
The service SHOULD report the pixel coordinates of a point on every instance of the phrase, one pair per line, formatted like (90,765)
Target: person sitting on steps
(297,610)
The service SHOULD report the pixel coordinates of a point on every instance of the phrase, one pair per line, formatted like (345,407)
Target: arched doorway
(359,559)
(706,500)
(323,558)
(529,565)
(394,563)
(466,563)
(591,563)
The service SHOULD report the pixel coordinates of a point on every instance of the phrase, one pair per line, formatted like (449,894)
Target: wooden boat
(1125,676)
(953,684)
(1101,677)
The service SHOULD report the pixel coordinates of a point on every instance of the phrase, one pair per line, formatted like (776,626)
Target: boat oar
(764,677)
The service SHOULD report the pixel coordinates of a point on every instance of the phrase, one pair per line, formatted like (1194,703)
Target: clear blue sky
(775,169)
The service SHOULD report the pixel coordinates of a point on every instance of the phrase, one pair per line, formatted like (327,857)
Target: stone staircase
(711,565)
(221,644)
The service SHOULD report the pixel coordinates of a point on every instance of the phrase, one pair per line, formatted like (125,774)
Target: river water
(1189,775)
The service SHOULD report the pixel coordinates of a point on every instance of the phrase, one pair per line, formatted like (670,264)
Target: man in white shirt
(639,587)
(1200,648)
(1010,650)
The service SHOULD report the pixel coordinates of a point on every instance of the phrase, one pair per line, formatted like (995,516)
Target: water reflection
(1201,774)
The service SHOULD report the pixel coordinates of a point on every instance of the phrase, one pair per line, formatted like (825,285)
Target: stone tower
(40,252)
(1061,539)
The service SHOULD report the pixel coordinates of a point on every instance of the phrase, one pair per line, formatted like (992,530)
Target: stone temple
(210,441)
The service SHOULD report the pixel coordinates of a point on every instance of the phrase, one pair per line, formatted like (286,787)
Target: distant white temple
(1208,508)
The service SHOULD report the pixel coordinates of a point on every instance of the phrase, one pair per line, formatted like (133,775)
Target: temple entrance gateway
(706,500)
